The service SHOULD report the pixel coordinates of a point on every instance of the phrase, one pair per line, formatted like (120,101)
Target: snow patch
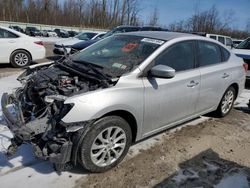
(233,181)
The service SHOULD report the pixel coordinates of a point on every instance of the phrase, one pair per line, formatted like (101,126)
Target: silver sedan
(89,108)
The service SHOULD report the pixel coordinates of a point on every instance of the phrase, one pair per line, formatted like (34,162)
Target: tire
(96,159)
(20,58)
(226,103)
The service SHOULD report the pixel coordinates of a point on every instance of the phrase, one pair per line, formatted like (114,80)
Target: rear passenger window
(209,53)
(221,39)
(212,37)
(179,56)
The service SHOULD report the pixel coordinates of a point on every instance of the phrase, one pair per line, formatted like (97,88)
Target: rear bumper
(38,53)
(248,75)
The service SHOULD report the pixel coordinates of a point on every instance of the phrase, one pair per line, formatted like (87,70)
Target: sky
(170,11)
(175,10)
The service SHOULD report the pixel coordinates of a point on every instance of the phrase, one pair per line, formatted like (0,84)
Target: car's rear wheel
(105,144)
(226,103)
(20,58)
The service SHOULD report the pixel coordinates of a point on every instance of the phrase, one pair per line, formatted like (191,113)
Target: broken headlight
(65,109)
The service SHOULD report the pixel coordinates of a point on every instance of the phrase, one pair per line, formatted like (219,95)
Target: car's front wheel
(227,102)
(20,58)
(105,144)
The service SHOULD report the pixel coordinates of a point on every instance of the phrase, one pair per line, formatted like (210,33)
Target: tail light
(39,43)
(245,65)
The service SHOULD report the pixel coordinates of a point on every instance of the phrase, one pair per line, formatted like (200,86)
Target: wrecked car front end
(34,112)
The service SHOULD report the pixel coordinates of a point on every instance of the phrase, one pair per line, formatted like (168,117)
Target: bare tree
(248,26)
(154,17)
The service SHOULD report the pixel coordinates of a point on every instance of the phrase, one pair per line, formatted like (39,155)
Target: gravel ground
(214,153)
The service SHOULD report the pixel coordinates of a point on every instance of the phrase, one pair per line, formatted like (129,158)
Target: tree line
(82,13)
(110,13)
(210,21)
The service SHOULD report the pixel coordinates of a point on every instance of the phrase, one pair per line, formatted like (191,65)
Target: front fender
(94,105)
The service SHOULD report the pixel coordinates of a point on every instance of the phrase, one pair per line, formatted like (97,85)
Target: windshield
(119,53)
(33,28)
(85,36)
(244,44)
(110,33)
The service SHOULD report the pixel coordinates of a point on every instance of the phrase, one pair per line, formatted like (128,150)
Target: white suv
(226,40)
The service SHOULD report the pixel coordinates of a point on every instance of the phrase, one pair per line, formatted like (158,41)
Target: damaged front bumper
(53,145)
(12,114)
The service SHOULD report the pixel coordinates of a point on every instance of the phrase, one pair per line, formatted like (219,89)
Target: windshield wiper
(94,68)
(68,64)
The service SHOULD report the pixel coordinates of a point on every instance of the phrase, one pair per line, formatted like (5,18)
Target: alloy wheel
(21,59)
(227,101)
(108,146)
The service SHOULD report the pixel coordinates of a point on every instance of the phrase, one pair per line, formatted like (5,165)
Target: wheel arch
(236,87)
(126,115)
(129,117)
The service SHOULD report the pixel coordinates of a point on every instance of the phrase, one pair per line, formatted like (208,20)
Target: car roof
(161,35)
(126,26)
(12,30)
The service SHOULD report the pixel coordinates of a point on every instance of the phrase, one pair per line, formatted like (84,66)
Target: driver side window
(180,56)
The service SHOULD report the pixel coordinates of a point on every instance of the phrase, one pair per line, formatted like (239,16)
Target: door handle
(12,41)
(225,75)
(192,84)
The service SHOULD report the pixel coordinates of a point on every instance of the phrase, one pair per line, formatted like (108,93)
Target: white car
(226,40)
(19,49)
(49,33)
(243,51)
(67,43)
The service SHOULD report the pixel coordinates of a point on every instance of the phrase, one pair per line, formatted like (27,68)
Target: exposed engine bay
(39,107)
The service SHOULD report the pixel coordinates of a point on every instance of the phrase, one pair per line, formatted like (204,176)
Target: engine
(52,81)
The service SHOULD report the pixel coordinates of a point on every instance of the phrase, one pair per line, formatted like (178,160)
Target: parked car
(17,28)
(19,49)
(33,31)
(49,33)
(120,29)
(67,43)
(243,51)
(62,33)
(99,36)
(72,33)
(226,40)
(236,42)
(90,108)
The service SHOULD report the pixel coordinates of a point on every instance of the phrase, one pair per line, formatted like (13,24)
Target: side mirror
(162,71)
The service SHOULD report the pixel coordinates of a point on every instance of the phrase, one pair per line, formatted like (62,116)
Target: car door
(7,45)
(170,100)
(215,74)
(229,43)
